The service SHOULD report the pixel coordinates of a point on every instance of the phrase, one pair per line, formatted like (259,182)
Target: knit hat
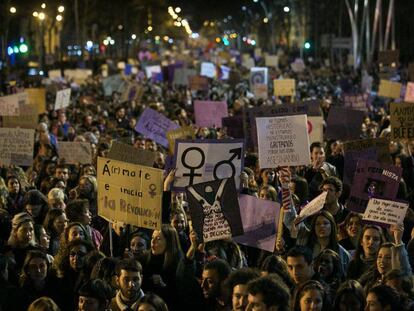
(20,218)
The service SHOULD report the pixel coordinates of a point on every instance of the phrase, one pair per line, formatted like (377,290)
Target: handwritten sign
(312,207)
(260,91)
(126,153)
(409,93)
(198,83)
(78,75)
(130,193)
(27,119)
(155,126)
(214,210)
(402,120)
(75,152)
(389,89)
(284,87)
(385,211)
(210,113)
(205,160)
(272,60)
(185,132)
(248,63)
(62,99)
(283,141)
(356,101)
(208,70)
(16,146)
(9,105)
(37,97)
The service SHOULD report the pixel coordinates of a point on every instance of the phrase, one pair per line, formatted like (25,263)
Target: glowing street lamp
(13,10)
(42,16)
(59,18)
(61,9)
(35,14)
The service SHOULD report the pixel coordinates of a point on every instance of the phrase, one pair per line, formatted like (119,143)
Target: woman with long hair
(351,231)
(55,224)
(312,295)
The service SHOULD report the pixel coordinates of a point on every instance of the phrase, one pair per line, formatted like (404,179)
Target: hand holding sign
(311,208)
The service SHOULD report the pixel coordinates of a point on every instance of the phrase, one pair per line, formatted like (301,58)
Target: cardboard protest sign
(198,83)
(127,153)
(373,179)
(205,160)
(78,76)
(284,87)
(214,210)
(28,118)
(234,126)
(356,101)
(385,211)
(298,65)
(389,89)
(315,129)
(181,75)
(258,75)
(402,120)
(344,124)
(409,93)
(248,63)
(185,132)
(112,84)
(283,141)
(388,58)
(208,70)
(16,146)
(259,222)
(210,113)
(75,152)
(54,74)
(375,149)
(312,207)
(62,98)
(131,92)
(260,91)
(9,105)
(153,71)
(130,193)
(37,97)
(155,126)
(272,61)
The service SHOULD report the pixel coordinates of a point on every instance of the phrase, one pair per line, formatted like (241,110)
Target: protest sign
(37,97)
(258,75)
(208,70)
(343,123)
(284,87)
(389,89)
(62,98)
(9,105)
(402,120)
(153,71)
(257,52)
(127,153)
(272,61)
(155,126)
(315,129)
(260,91)
(205,160)
(198,83)
(16,146)
(185,132)
(234,126)
(385,211)
(388,58)
(214,210)
(259,222)
(210,113)
(224,72)
(132,91)
(356,101)
(75,152)
(312,207)
(298,65)
(373,179)
(54,74)
(112,84)
(283,141)
(409,93)
(28,118)
(366,83)
(181,76)
(130,193)
(248,63)
(370,149)
(78,76)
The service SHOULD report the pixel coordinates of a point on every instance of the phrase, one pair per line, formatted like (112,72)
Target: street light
(61,9)
(59,17)
(43,6)
(265,20)
(177,10)
(133,36)
(35,14)
(42,16)
(286,9)
(13,10)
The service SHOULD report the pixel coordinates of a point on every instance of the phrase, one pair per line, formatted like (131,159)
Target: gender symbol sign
(205,160)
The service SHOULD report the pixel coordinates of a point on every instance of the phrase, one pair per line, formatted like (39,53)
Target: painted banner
(409,93)
(37,97)
(9,105)
(210,113)
(315,129)
(215,210)
(155,126)
(16,146)
(385,211)
(283,141)
(130,193)
(259,222)
(75,152)
(206,160)
(28,118)
(127,153)
(402,120)
(356,101)
(284,87)
(62,98)
(198,83)
(373,179)
(389,89)
(258,75)
(185,132)
(208,70)
(312,207)
(344,124)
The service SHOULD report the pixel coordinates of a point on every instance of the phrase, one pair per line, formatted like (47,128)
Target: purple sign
(373,179)
(155,126)
(259,218)
(351,161)
(210,113)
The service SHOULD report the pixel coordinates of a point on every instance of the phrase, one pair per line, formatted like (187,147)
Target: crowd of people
(57,253)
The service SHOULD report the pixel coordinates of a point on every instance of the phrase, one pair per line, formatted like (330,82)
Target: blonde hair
(56,194)
(43,304)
